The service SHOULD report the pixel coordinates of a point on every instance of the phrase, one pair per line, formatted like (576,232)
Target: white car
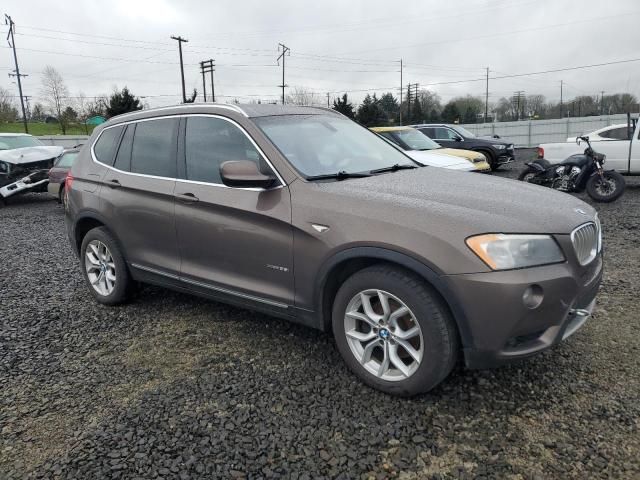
(622,155)
(24,164)
(435,159)
(621,131)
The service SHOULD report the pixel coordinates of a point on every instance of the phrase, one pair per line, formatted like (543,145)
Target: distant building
(96,120)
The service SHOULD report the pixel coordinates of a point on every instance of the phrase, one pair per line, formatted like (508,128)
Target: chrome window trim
(211,287)
(182,180)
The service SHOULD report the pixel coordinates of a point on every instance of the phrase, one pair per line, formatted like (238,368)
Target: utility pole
(412,92)
(401,92)
(517,97)
(285,51)
(208,66)
(17,74)
(561,105)
(486,98)
(601,102)
(204,84)
(180,42)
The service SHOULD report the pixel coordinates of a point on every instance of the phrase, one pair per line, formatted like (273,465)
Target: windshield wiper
(393,168)
(341,175)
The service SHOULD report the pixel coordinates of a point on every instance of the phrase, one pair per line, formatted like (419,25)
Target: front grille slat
(585,242)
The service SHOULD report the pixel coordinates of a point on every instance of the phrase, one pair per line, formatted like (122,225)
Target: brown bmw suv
(303,214)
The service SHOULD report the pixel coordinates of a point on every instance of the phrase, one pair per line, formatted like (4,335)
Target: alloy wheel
(100,267)
(605,186)
(383,335)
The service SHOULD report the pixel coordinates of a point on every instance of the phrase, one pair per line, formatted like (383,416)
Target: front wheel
(606,187)
(393,331)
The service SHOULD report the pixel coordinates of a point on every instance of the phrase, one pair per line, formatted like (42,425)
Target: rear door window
(105,147)
(154,147)
(211,141)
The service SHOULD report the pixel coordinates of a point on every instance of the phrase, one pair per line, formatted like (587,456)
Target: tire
(436,343)
(609,191)
(61,194)
(493,163)
(114,263)
(526,173)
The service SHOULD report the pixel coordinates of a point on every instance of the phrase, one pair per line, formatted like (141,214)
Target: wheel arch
(87,222)
(345,263)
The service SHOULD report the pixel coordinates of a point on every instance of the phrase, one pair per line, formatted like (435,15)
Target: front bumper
(505,156)
(33,181)
(499,327)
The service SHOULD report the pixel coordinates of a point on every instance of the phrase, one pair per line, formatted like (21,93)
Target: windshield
(326,144)
(19,141)
(464,132)
(67,159)
(415,140)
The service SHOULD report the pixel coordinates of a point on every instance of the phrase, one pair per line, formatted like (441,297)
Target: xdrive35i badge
(277,267)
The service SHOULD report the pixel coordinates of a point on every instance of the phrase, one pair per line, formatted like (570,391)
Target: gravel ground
(171,386)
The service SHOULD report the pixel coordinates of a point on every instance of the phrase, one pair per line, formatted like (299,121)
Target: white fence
(531,133)
(66,141)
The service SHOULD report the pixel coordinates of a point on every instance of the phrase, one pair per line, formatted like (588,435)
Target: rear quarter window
(105,148)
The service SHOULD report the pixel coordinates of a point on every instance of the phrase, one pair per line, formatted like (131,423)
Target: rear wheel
(393,331)
(606,187)
(527,175)
(104,267)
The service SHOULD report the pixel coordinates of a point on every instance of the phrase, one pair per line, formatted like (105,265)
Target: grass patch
(41,128)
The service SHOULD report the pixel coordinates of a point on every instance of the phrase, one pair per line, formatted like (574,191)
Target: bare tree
(56,94)
(302,96)
(8,111)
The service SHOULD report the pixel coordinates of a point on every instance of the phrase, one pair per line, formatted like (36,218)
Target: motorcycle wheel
(527,175)
(607,188)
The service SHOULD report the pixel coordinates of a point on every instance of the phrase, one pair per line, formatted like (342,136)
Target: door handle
(187,197)
(114,183)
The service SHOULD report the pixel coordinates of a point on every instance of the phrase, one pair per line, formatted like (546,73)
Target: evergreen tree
(416,112)
(369,112)
(450,113)
(343,106)
(469,116)
(389,107)
(122,102)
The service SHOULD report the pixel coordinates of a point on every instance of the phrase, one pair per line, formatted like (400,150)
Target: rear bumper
(501,328)
(54,189)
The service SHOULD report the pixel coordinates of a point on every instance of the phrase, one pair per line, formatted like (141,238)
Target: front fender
(435,278)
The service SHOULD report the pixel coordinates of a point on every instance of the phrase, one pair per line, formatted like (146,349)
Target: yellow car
(410,139)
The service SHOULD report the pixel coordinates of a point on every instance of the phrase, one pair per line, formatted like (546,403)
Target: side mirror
(457,138)
(244,174)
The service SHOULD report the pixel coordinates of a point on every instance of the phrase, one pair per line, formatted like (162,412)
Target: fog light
(533,296)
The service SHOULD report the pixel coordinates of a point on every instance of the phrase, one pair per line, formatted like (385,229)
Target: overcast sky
(336,46)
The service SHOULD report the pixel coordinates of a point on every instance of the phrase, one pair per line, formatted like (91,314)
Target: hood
(458,152)
(19,156)
(453,204)
(434,158)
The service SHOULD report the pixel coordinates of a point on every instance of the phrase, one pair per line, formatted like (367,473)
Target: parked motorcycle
(577,173)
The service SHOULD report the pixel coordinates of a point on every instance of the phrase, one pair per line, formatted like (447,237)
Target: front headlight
(499,147)
(504,252)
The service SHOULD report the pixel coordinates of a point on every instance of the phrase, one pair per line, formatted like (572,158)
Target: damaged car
(24,164)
